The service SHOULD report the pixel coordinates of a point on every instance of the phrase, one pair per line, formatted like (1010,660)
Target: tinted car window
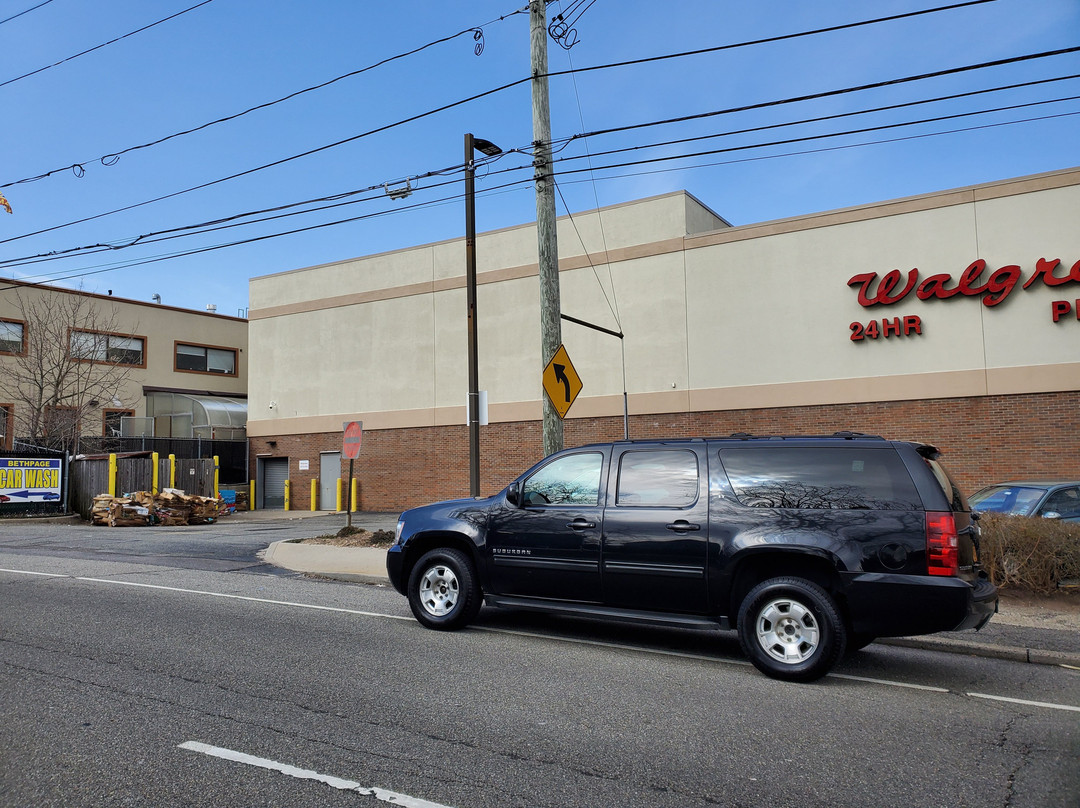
(570,480)
(809,477)
(948,485)
(664,478)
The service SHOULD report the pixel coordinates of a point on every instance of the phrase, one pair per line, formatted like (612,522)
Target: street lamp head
(486,147)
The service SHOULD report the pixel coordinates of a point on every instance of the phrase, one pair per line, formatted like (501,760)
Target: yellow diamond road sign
(561,382)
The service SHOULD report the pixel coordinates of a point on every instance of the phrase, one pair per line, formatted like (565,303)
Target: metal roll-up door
(275,473)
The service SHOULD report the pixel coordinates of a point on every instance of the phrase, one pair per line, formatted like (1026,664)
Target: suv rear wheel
(791,629)
(443,592)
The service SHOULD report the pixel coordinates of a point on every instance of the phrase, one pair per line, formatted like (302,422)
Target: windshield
(1016,500)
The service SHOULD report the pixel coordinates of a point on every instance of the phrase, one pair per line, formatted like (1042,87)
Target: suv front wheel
(791,629)
(443,592)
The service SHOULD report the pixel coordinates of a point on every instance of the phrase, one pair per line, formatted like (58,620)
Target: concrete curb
(58,519)
(935,642)
(368,565)
(355,564)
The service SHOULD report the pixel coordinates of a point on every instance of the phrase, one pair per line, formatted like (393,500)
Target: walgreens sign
(992,285)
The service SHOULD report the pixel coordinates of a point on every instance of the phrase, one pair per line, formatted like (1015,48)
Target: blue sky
(227,56)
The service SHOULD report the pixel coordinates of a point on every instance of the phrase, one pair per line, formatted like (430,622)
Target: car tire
(443,590)
(791,629)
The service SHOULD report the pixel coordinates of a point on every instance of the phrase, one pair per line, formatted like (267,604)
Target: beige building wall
(161,327)
(714,317)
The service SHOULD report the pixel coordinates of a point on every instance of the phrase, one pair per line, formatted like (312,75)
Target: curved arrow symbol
(560,376)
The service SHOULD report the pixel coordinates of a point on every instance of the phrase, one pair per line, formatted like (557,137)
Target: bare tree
(77,359)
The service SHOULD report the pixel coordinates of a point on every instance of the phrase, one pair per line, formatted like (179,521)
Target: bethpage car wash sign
(30,479)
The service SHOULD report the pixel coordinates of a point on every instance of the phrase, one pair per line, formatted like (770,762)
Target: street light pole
(488,148)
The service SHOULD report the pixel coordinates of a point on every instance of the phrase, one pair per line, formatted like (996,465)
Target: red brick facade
(985,440)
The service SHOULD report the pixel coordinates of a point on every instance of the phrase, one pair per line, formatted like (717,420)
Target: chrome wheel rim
(439,590)
(787,631)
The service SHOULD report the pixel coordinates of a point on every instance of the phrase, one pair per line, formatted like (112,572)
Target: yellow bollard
(352,499)
(112,475)
(172,471)
(251,495)
(154,473)
(337,501)
(286,495)
(217,472)
(314,492)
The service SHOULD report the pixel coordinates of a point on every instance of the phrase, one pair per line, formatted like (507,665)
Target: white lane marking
(888,682)
(392,797)
(571,640)
(1046,704)
(42,574)
(243,597)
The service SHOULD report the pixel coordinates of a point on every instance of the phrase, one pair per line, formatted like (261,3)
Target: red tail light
(941,544)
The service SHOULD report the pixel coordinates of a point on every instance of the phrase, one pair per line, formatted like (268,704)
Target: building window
(111,422)
(12,337)
(205,359)
(114,348)
(61,422)
(7,426)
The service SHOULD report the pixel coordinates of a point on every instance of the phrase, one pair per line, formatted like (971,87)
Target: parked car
(1053,499)
(806,546)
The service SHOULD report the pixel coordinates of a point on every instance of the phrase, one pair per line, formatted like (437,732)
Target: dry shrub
(1029,553)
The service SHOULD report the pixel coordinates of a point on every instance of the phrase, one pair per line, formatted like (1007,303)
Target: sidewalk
(1046,633)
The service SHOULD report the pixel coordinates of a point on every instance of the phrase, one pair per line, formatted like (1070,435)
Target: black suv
(807,546)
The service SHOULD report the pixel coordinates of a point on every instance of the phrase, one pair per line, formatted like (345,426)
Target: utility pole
(546,236)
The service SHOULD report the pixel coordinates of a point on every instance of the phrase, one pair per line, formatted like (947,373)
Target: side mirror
(1051,515)
(513,494)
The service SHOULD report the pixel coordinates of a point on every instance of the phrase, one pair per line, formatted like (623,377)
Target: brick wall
(985,440)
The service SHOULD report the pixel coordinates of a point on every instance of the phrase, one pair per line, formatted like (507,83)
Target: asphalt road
(138,672)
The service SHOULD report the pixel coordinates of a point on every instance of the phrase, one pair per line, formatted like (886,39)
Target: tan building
(127,368)
(950,317)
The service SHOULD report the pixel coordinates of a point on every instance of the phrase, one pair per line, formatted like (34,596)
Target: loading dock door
(275,471)
(329,474)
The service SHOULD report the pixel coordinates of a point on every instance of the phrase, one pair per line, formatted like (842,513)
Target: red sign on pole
(354,434)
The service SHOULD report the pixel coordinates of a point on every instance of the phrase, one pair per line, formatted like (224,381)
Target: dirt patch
(354,537)
(1058,611)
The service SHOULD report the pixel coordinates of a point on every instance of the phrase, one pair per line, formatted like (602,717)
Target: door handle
(580,524)
(682,526)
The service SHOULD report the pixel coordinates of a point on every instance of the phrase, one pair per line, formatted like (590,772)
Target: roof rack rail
(845,434)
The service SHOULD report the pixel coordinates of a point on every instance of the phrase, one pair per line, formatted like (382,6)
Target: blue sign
(30,479)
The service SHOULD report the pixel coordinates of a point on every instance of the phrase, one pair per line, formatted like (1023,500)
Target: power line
(839,115)
(831,93)
(798,153)
(254,239)
(103,44)
(176,232)
(781,37)
(110,159)
(523,182)
(275,163)
(32,8)
(233,221)
(553,74)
